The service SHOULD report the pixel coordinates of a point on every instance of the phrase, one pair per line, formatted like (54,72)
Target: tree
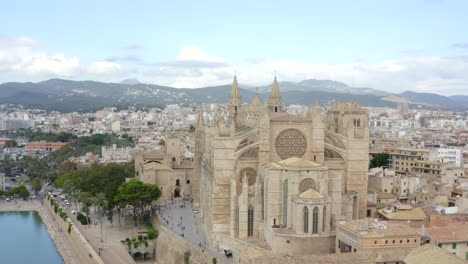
(100,201)
(191,128)
(82,198)
(36,185)
(68,166)
(138,194)
(69,187)
(11,144)
(187,257)
(22,191)
(60,181)
(380,160)
(110,216)
(162,142)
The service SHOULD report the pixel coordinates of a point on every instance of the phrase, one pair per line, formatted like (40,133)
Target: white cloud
(19,58)
(194,53)
(22,60)
(105,68)
(446,75)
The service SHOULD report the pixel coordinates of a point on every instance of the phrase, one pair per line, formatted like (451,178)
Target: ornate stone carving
(251,175)
(306,184)
(291,143)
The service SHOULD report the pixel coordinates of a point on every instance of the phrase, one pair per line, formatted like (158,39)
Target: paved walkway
(113,251)
(181,219)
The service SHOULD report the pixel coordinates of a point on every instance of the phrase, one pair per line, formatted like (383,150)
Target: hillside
(67,96)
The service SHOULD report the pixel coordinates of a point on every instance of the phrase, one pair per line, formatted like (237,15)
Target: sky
(396,46)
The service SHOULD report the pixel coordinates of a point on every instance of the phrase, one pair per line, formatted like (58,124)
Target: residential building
(370,234)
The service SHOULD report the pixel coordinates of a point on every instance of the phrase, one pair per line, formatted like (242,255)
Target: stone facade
(167,168)
(267,176)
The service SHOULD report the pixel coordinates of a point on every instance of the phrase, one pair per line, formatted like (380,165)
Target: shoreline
(61,243)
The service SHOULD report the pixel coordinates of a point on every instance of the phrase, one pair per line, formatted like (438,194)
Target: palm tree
(100,201)
(69,187)
(82,197)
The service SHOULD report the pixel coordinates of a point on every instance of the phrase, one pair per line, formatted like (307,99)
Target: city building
(43,146)
(373,235)
(115,154)
(167,168)
(452,237)
(450,155)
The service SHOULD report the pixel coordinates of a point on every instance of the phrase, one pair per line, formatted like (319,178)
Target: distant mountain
(436,99)
(67,96)
(460,99)
(130,81)
(324,86)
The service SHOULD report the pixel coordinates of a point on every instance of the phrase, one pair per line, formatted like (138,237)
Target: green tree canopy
(137,193)
(380,160)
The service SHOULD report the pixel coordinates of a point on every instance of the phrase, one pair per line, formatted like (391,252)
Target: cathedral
(270,179)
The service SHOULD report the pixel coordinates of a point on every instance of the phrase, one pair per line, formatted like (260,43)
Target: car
(195,211)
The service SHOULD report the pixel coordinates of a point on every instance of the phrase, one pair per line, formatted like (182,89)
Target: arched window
(306,220)
(177,193)
(324,218)
(250,221)
(276,109)
(355,208)
(359,122)
(285,202)
(315,221)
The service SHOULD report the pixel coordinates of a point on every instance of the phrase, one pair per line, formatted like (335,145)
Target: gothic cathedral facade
(267,177)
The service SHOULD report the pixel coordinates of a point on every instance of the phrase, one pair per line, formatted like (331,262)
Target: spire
(235,99)
(275,97)
(275,89)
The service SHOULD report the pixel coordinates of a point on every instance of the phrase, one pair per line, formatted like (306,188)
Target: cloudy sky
(398,45)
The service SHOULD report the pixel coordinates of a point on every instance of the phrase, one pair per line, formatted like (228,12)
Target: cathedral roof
(285,116)
(157,166)
(311,194)
(153,155)
(295,163)
(298,162)
(256,101)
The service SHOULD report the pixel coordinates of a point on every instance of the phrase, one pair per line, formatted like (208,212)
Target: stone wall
(83,249)
(241,250)
(297,244)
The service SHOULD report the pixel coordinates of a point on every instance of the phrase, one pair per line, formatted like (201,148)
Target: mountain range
(66,95)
